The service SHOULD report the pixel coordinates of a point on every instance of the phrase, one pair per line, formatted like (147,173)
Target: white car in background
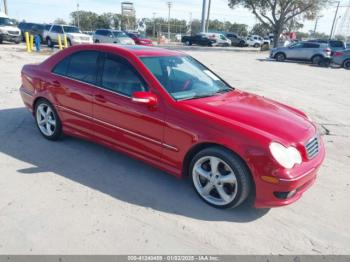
(220,39)
(73,33)
(112,37)
(8,31)
(256,41)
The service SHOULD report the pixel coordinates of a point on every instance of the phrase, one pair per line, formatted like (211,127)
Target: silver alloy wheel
(215,180)
(45,119)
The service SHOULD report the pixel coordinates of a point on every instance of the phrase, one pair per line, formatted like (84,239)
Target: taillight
(338,54)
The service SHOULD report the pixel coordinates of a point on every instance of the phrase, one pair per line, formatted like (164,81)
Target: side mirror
(146,98)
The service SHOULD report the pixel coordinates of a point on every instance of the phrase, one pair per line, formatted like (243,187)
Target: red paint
(161,131)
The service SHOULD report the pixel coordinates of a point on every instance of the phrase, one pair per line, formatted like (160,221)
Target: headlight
(3,31)
(286,157)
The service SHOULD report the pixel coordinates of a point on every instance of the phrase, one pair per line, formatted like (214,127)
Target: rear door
(310,49)
(131,126)
(74,84)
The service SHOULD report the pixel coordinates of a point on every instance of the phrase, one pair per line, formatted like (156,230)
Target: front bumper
(301,179)
(11,38)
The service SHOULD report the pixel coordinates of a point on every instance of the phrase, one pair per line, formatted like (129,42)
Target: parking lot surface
(76,197)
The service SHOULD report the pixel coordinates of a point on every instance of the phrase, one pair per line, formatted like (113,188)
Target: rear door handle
(100,98)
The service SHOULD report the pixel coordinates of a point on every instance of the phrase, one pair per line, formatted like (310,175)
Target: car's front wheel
(47,120)
(280,57)
(220,177)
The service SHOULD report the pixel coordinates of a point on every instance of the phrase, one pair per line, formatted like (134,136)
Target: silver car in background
(342,58)
(112,36)
(303,51)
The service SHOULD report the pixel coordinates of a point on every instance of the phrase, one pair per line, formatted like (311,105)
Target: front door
(119,121)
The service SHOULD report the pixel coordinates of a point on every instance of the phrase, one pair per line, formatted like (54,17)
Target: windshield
(119,34)
(5,21)
(71,29)
(184,77)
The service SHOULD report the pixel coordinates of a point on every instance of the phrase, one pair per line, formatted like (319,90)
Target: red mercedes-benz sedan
(169,110)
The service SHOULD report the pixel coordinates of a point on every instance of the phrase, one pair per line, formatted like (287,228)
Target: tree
(59,21)
(260,29)
(275,14)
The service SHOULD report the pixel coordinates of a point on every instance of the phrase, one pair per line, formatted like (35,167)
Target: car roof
(137,50)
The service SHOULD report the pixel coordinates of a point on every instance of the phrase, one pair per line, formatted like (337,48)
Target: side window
(61,67)
(82,66)
(57,29)
(98,32)
(119,76)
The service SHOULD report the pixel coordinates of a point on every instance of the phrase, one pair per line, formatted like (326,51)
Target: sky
(49,10)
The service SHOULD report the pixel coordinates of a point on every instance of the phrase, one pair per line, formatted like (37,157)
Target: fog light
(285,195)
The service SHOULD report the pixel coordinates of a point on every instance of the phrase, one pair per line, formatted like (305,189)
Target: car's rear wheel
(316,60)
(280,57)
(47,120)
(346,64)
(256,45)
(97,41)
(220,177)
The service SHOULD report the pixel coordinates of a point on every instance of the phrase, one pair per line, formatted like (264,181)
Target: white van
(8,31)
(220,39)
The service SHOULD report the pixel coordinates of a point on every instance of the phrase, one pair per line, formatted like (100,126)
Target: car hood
(9,28)
(256,113)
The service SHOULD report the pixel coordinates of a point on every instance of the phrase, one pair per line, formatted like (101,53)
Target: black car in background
(236,40)
(33,29)
(199,39)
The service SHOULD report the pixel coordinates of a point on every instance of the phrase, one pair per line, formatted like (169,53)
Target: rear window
(336,44)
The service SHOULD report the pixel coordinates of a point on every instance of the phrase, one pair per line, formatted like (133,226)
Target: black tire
(1,41)
(346,64)
(242,173)
(69,42)
(49,42)
(188,43)
(256,45)
(57,130)
(97,41)
(280,57)
(317,59)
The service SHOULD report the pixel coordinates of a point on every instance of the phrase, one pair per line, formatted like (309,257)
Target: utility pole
(190,22)
(335,17)
(316,23)
(154,24)
(203,16)
(169,6)
(5,7)
(78,22)
(208,15)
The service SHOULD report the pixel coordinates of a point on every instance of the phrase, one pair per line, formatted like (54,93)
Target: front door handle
(100,98)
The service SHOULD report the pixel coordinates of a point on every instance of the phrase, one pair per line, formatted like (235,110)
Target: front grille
(312,148)
(84,38)
(13,32)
